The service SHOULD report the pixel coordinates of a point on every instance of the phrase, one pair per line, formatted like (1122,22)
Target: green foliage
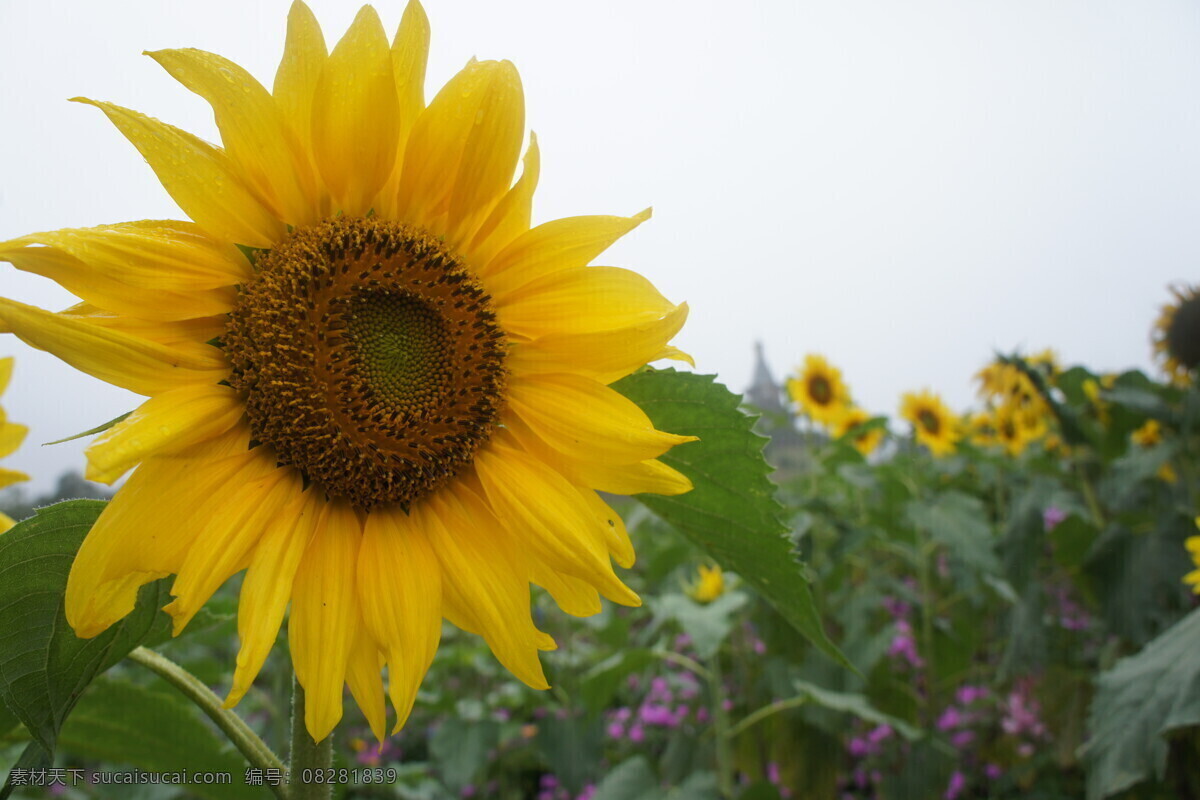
(44,668)
(1138,704)
(117,721)
(732,512)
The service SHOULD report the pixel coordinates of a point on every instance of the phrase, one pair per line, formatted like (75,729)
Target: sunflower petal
(355,119)
(463,150)
(560,244)
(511,215)
(616,537)
(647,476)
(231,529)
(6,522)
(587,420)
(185,335)
(583,300)
(604,355)
(267,586)
(199,177)
(11,436)
(410,53)
(146,530)
(6,368)
(365,679)
(324,616)
(483,590)
(135,364)
(575,597)
(252,129)
(166,423)
(10,476)
(548,515)
(400,592)
(90,281)
(304,57)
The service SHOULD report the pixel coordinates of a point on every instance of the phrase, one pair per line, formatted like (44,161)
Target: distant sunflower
(981,429)
(372,384)
(850,419)
(1148,435)
(11,436)
(819,390)
(709,584)
(1012,432)
(933,423)
(1193,547)
(1176,334)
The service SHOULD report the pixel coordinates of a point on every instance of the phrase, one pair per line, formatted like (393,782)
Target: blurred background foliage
(1015,610)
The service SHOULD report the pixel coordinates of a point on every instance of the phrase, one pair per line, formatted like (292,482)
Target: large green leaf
(1138,702)
(633,779)
(44,668)
(732,512)
(120,722)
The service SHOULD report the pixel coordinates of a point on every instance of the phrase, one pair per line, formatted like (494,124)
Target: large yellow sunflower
(934,425)
(1176,334)
(819,390)
(372,384)
(11,436)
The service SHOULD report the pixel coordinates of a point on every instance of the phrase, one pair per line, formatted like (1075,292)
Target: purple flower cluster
(666,705)
(1021,718)
(903,647)
(1051,517)
(549,788)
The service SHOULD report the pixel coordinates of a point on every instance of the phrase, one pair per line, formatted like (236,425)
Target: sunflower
(11,436)
(1148,435)
(709,584)
(851,418)
(933,423)
(981,429)
(372,384)
(1176,334)
(1193,547)
(819,390)
(1013,431)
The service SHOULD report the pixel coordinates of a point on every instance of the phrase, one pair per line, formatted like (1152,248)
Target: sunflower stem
(244,739)
(723,741)
(310,761)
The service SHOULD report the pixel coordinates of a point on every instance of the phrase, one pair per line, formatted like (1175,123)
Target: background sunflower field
(1002,620)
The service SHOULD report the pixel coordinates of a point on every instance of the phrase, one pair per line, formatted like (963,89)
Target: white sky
(901,186)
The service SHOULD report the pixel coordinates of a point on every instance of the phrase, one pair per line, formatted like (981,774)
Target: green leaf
(732,512)
(707,623)
(117,721)
(460,748)
(1138,702)
(44,668)
(855,704)
(631,780)
(572,748)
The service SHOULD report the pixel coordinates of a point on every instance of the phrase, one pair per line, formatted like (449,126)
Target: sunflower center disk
(929,421)
(1183,334)
(369,359)
(820,390)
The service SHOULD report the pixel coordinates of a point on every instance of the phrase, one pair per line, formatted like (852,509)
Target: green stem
(721,720)
(307,755)
(685,662)
(243,738)
(768,710)
(1089,496)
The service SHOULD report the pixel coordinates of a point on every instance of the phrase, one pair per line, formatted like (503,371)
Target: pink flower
(958,782)
(1051,517)
(950,718)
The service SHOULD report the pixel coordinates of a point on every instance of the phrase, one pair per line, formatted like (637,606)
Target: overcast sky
(901,186)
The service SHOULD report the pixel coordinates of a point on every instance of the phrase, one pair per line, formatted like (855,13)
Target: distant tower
(785,449)
(764,393)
